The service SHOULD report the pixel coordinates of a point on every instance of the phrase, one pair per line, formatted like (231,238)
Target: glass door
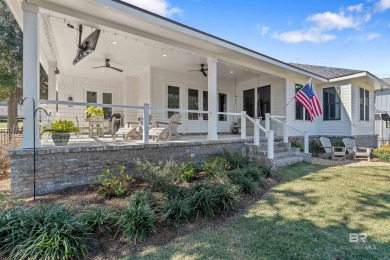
(249,102)
(263,101)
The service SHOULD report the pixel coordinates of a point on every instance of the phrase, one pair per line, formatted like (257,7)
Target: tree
(11,64)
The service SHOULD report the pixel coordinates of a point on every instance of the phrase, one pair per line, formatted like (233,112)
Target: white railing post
(257,132)
(306,141)
(285,132)
(146,124)
(243,124)
(267,121)
(270,148)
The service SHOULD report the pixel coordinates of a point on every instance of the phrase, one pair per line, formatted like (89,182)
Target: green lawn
(309,215)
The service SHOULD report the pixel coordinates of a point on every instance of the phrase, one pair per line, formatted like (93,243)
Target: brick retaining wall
(61,167)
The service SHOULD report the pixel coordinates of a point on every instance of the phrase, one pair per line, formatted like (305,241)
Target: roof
(327,72)
(387,80)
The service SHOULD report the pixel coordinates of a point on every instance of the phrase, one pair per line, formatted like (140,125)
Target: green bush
(203,201)
(138,221)
(245,182)
(44,232)
(188,173)
(297,143)
(174,191)
(113,184)
(266,171)
(236,160)
(215,166)
(101,219)
(315,147)
(158,174)
(383,153)
(227,196)
(175,210)
(142,198)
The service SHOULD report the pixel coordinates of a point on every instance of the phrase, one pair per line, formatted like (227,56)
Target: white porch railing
(270,134)
(281,121)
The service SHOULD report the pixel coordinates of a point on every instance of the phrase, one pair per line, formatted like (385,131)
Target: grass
(309,215)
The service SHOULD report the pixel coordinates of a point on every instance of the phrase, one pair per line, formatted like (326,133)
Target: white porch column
(52,84)
(30,71)
(212,99)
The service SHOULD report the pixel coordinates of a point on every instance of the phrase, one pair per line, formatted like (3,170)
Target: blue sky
(347,34)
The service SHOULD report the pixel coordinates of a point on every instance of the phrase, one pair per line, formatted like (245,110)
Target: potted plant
(94,111)
(60,131)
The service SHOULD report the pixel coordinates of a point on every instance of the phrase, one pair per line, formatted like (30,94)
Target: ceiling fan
(202,69)
(107,65)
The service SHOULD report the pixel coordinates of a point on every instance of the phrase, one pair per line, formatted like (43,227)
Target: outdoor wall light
(57,71)
(70,99)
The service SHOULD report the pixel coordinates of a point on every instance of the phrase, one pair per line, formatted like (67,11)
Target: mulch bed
(105,246)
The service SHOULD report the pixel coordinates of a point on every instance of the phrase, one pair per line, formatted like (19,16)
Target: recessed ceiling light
(102,70)
(231,72)
(164,55)
(114,42)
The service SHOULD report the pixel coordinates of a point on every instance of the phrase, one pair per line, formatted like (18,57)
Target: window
(222,101)
(107,99)
(387,122)
(299,109)
(364,107)
(249,102)
(173,99)
(205,104)
(331,104)
(193,101)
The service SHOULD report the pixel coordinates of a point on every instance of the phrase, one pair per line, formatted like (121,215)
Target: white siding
(382,103)
(362,127)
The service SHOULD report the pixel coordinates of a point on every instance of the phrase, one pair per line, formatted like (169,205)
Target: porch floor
(85,140)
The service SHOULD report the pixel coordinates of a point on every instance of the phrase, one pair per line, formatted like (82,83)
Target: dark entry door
(249,102)
(263,101)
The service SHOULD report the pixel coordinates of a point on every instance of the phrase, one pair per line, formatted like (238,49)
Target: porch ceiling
(133,54)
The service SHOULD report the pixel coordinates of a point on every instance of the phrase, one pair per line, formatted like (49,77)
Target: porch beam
(30,72)
(212,99)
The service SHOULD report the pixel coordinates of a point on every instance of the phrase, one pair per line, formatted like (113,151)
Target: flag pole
(296,94)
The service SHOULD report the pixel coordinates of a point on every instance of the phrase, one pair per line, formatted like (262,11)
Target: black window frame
(364,105)
(170,113)
(221,108)
(263,102)
(328,105)
(250,112)
(387,122)
(191,115)
(299,108)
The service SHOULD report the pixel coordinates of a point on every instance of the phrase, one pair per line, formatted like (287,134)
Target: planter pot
(60,139)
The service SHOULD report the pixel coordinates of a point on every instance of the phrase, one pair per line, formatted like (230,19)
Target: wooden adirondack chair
(357,152)
(332,151)
(127,132)
(165,133)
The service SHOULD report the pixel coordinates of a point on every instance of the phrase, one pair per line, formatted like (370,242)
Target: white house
(382,115)
(156,54)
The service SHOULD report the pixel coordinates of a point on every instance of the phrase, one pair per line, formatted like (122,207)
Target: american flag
(308,99)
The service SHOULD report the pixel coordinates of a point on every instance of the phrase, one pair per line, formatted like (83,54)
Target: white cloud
(372,36)
(355,8)
(329,21)
(310,35)
(382,5)
(263,30)
(161,7)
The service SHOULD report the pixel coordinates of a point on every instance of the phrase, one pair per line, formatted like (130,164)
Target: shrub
(5,161)
(188,173)
(315,147)
(383,153)
(142,198)
(138,221)
(174,191)
(203,201)
(266,171)
(297,143)
(175,210)
(101,219)
(246,183)
(216,166)
(112,184)
(227,196)
(236,160)
(44,232)
(158,174)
